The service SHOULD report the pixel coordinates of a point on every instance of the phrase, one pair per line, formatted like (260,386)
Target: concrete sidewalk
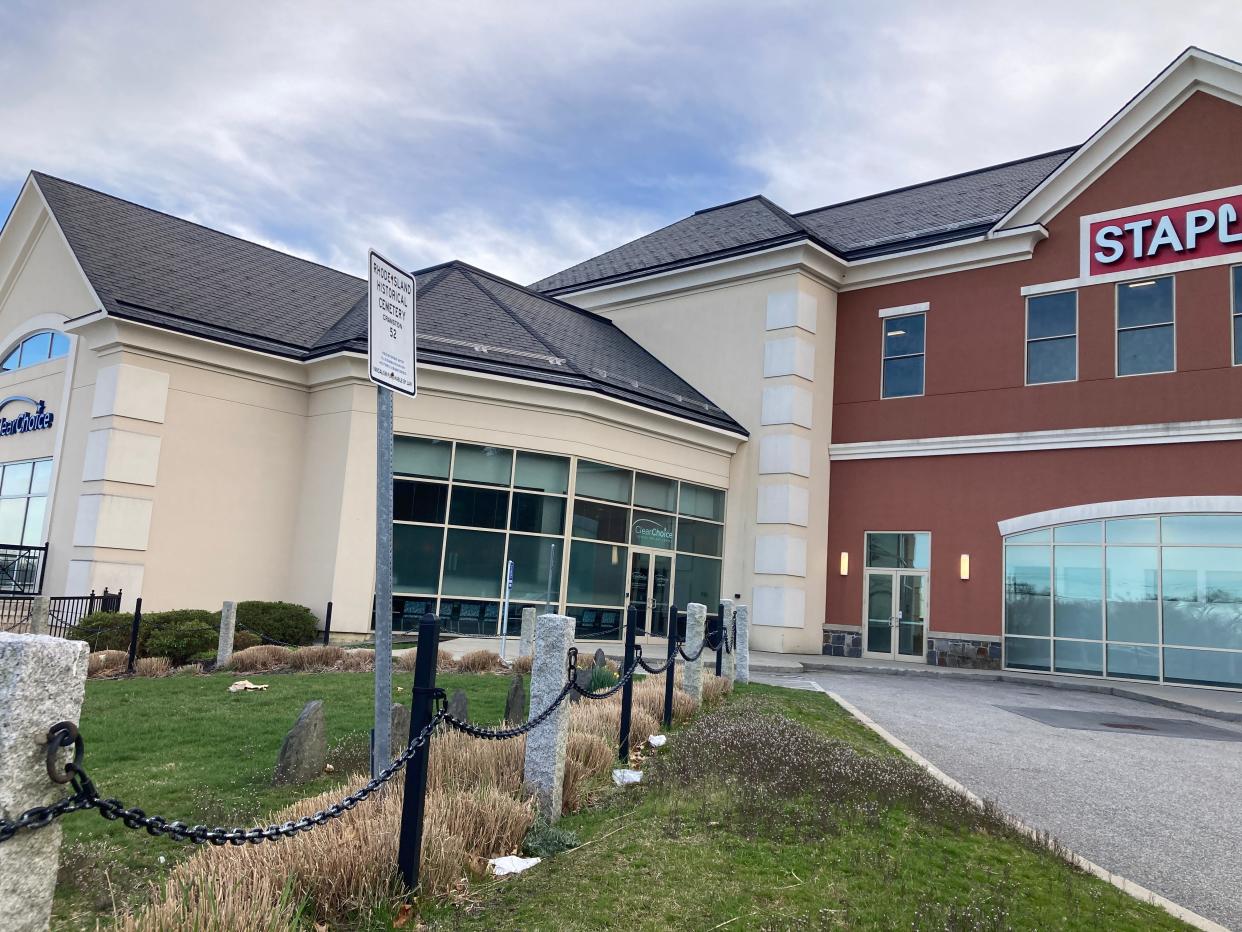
(1222,704)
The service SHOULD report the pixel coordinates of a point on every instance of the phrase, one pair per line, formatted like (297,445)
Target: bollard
(727,638)
(717,629)
(135,625)
(42,681)
(674,633)
(627,691)
(696,631)
(40,610)
(527,639)
(741,646)
(327,624)
(422,704)
(544,768)
(228,622)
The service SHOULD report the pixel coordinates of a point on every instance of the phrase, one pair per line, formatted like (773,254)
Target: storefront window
(419,501)
(607,482)
(472,563)
(1146,598)
(539,473)
(474,507)
(538,514)
(486,465)
(416,456)
(23,502)
(655,531)
(700,502)
(536,568)
(595,521)
(597,573)
(416,557)
(655,492)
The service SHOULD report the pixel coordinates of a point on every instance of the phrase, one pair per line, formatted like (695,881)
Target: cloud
(527,137)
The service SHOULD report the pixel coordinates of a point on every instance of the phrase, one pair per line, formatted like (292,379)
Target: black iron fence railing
(65,613)
(21,569)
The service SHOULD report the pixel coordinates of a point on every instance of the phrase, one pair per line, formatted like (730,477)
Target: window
(37,348)
(904,551)
(23,501)
(1151,598)
(904,339)
(1145,341)
(1052,338)
(1236,309)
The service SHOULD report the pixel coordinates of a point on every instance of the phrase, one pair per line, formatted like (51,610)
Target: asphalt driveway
(1152,794)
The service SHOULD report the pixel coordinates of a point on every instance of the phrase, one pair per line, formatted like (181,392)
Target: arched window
(36,348)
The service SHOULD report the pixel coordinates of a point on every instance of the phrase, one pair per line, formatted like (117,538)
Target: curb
(1129,887)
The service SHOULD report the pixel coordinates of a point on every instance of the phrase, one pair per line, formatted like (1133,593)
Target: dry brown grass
(106,662)
(460,762)
(523,664)
(715,688)
(260,659)
(480,661)
(587,757)
(358,660)
(316,658)
(152,666)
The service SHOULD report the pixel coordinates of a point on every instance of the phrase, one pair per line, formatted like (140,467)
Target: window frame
(885,320)
(1172,325)
(20,344)
(1026,334)
(1235,313)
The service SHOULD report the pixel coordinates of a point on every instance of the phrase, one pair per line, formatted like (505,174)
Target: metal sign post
(391,338)
(504,610)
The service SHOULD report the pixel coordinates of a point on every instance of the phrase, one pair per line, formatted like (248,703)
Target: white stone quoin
(527,639)
(696,628)
(741,673)
(42,682)
(544,771)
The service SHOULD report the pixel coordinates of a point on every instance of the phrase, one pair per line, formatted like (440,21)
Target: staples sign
(1164,235)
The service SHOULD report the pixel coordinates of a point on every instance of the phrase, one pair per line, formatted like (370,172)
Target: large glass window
(1145,598)
(463,511)
(36,348)
(904,340)
(1052,338)
(23,501)
(1145,339)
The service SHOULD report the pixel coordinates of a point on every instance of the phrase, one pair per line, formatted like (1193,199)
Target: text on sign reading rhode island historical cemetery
(392,326)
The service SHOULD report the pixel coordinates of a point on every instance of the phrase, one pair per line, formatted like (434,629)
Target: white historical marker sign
(391,326)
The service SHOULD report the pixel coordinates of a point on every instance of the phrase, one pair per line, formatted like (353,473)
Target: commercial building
(991,419)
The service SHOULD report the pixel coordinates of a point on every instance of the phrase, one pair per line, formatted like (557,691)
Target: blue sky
(526,137)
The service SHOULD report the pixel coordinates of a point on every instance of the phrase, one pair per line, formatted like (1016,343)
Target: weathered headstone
(42,681)
(544,770)
(400,734)
(696,628)
(600,660)
(515,701)
(742,672)
(527,639)
(459,705)
(228,621)
(305,748)
(582,676)
(727,660)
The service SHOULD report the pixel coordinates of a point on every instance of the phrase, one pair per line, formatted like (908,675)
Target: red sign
(1164,235)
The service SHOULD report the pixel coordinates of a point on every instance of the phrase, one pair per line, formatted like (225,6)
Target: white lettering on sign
(392,326)
(1200,227)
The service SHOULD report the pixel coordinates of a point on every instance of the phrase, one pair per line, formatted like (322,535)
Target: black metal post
(410,846)
(133,636)
(674,634)
(327,624)
(627,691)
(42,568)
(720,636)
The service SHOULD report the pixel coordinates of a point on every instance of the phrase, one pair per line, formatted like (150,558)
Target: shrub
(245,639)
(180,639)
(107,630)
(277,621)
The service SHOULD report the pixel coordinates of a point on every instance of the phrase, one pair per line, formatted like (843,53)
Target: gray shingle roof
(919,215)
(158,269)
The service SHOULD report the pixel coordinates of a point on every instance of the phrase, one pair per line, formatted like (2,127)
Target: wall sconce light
(965,566)
(845,563)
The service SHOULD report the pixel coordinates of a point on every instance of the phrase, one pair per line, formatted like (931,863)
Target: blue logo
(27,421)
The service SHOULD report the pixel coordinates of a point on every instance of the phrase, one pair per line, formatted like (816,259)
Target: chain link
(691,658)
(500,734)
(642,662)
(605,693)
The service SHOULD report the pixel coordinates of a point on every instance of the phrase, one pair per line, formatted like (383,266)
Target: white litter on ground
(657,741)
(623,777)
(243,685)
(511,864)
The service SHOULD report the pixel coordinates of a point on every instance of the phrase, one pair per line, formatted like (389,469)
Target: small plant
(602,678)
(545,839)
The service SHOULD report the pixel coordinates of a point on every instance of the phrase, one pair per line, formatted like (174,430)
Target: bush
(242,640)
(180,639)
(107,630)
(281,622)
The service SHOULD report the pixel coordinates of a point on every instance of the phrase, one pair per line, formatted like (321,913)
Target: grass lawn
(779,811)
(185,748)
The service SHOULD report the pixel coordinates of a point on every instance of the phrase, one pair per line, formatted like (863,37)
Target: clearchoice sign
(1201,228)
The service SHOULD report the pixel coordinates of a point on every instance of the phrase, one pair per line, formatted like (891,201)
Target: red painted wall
(960,499)
(975,385)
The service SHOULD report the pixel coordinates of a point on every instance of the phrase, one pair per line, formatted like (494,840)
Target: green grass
(730,831)
(185,748)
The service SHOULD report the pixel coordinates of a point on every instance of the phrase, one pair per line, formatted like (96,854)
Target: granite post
(228,622)
(527,638)
(728,661)
(40,612)
(696,629)
(741,650)
(544,771)
(42,682)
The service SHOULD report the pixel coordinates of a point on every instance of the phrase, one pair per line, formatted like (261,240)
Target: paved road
(1156,800)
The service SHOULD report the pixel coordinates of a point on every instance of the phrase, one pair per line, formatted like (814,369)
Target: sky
(525,137)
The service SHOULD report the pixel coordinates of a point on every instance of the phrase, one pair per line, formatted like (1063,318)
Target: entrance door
(651,587)
(896,614)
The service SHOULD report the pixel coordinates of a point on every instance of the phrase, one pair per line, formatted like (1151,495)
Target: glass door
(651,588)
(896,615)
(640,581)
